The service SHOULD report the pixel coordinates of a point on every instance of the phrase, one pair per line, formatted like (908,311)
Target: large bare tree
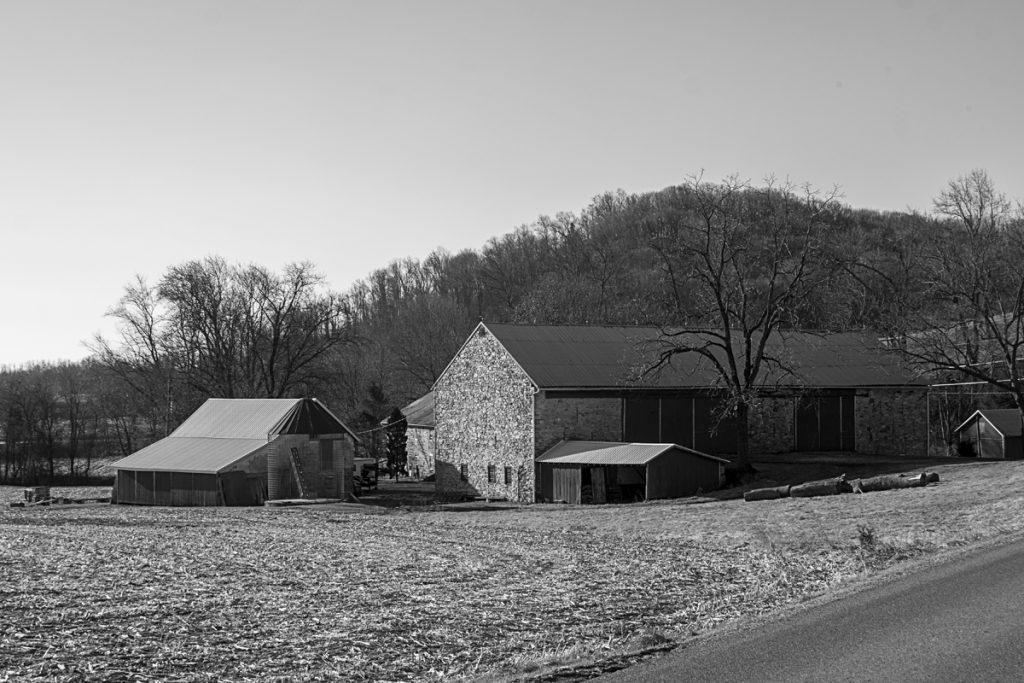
(213,329)
(966,323)
(739,261)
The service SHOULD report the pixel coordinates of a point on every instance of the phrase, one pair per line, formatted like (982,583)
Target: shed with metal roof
(613,472)
(242,452)
(992,433)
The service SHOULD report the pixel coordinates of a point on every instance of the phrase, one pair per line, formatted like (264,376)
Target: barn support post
(928,421)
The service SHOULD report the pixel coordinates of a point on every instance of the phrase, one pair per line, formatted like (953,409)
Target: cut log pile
(40,495)
(837,485)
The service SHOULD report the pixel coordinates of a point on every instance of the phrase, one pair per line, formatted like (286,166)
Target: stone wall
(483,405)
(771,425)
(587,419)
(891,422)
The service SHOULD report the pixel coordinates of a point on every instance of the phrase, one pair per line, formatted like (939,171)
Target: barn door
(567,482)
(825,423)
(597,484)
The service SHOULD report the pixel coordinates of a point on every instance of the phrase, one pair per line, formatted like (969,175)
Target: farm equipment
(364,474)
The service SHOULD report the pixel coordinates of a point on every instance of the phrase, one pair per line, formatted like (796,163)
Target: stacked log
(767,494)
(822,487)
(837,485)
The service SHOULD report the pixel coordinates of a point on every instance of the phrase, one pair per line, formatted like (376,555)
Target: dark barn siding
(182,489)
(825,423)
(696,422)
(676,473)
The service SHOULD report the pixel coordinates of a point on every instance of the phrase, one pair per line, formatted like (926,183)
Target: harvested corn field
(110,593)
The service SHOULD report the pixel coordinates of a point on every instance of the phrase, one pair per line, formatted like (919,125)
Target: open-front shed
(242,452)
(611,472)
(992,433)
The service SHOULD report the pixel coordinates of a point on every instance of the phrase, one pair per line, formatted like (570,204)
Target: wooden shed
(242,452)
(612,472)
(992,433)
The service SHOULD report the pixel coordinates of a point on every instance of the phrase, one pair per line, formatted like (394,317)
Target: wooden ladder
(305,491)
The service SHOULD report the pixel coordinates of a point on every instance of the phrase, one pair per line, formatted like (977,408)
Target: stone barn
(514,391)
(242,452)
(419,420)
(992,433)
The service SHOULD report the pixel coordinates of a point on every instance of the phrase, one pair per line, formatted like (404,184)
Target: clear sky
(138,134)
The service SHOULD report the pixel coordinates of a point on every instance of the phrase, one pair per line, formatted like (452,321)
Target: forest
(732,258)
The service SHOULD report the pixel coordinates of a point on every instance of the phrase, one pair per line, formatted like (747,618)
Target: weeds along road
(959,621)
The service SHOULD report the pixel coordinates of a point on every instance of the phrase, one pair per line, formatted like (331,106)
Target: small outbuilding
(419,434)
(992,433)
(612,472)
(242,452)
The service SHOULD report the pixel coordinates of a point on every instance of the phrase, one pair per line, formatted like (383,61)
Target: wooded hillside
(698,254)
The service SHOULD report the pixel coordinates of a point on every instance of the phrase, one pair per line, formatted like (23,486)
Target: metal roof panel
(579,356)
(190,454)
(236,418)
(1006,420)
(612,453)
(420,413)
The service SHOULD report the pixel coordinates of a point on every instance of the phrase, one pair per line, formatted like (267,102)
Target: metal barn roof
(190,454)
(577,356)
(225,430)
(612,453)
(420,413)
(1006,420)
(236,418)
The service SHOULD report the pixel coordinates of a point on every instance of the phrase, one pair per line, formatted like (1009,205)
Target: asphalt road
(959,621)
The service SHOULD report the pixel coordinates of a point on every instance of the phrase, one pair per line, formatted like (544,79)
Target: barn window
(492,474)
(464,472)
(508,475)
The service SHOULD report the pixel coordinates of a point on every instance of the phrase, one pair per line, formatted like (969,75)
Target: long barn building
(514,391)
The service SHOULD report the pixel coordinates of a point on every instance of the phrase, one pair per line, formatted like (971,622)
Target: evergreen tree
(395,442)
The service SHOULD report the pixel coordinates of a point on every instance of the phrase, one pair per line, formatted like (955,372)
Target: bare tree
(740,261)
(966,322)
(212,329)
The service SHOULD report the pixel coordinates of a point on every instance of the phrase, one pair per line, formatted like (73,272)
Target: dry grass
(331,593)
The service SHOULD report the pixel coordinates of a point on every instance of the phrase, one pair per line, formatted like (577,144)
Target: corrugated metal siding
(190,454)
(592,356)
(183,489)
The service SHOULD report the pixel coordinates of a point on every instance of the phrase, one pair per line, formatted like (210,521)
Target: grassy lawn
(348,592)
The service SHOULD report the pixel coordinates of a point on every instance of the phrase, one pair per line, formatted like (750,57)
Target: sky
(136,135)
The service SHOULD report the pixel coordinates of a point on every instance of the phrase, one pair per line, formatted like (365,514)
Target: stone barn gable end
(483,406)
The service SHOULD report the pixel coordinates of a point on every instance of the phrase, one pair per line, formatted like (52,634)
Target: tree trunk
(885,482)
(823,487)
(742,459)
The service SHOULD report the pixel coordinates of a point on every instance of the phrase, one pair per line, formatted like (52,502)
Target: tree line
(734,259)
